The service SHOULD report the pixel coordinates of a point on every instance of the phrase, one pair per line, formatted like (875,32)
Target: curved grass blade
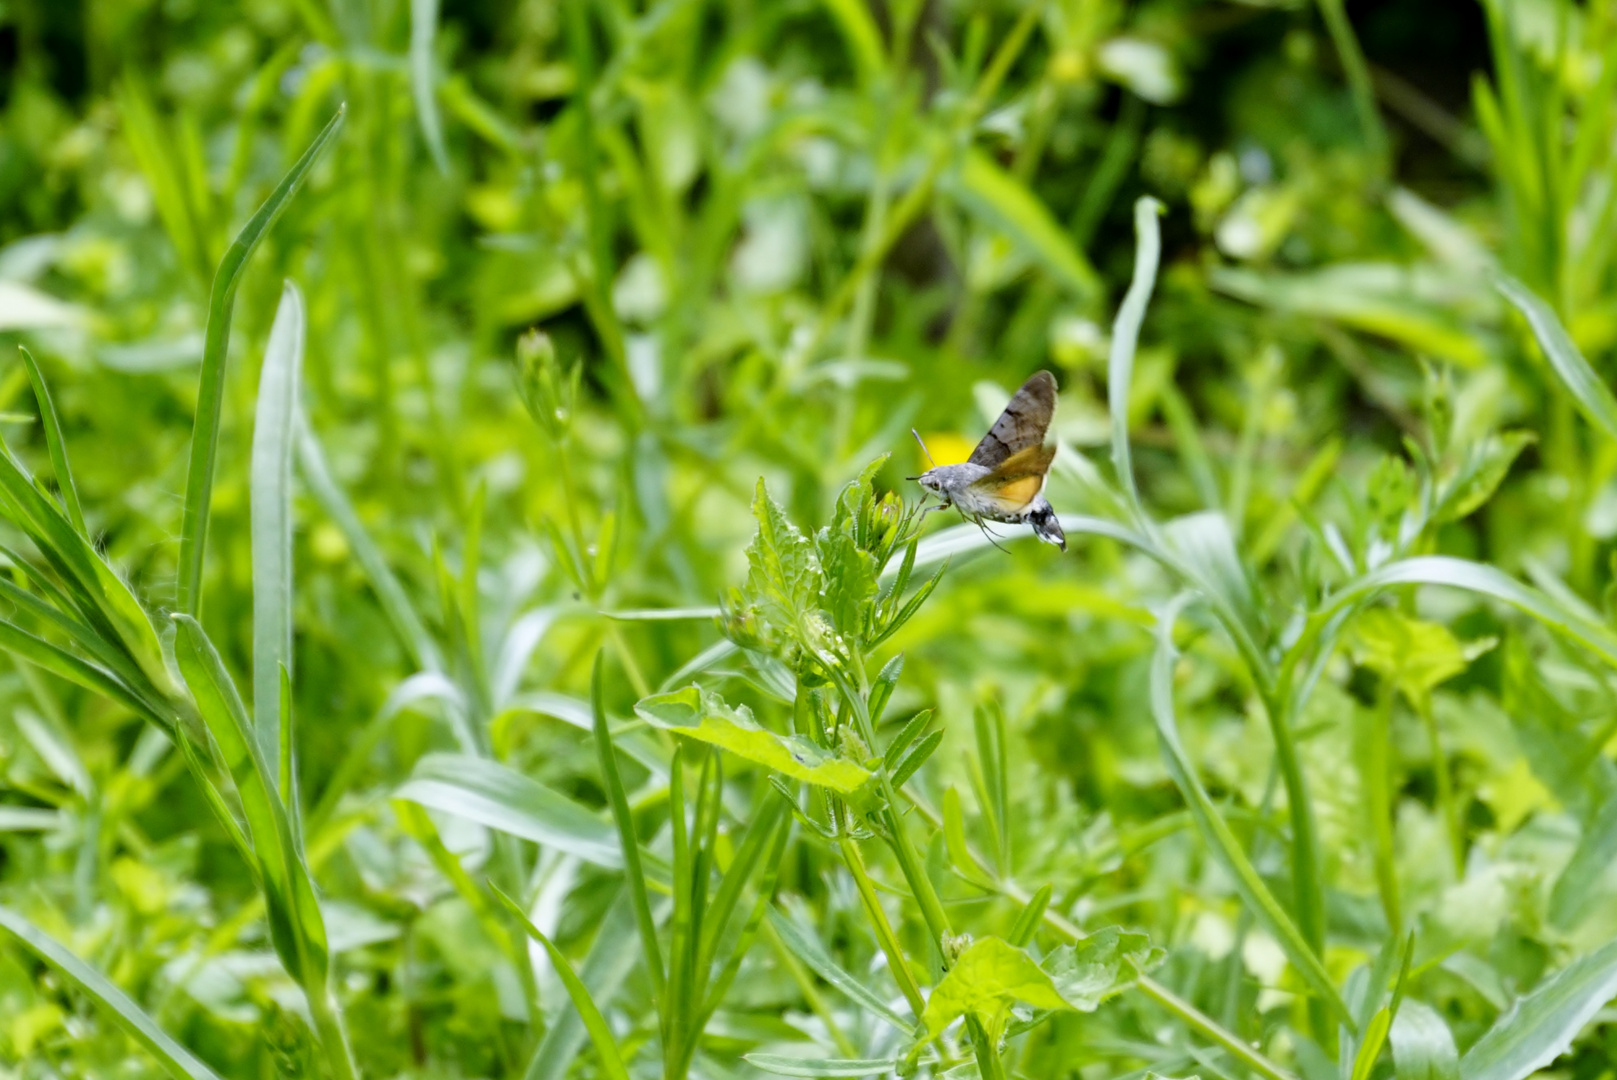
(297,928)
(400,612)
(1592,397)
(211,386)
(1126,337)
(176,1060)
(600,1033)
(270,510)
(54,443)
(611,958)
(808,948)
(500,797)
(423,29)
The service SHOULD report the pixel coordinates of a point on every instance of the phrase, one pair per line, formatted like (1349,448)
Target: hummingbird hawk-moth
(1003,480)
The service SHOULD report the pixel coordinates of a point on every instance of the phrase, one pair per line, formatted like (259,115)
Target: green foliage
(581,690)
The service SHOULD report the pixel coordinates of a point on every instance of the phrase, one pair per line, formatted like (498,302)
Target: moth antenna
(924,450)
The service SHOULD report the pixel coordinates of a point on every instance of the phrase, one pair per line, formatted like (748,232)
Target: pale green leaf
(702,715)
(1541,1026)
(1422,1048)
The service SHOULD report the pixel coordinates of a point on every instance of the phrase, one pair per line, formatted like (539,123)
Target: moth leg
(978,521)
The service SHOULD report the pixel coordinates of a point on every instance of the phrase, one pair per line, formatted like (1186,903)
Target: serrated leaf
(849,576)
(986,980)
(782,573)
(702,715)
(1100,965)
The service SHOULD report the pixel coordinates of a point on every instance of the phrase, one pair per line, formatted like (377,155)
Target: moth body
(1003,480)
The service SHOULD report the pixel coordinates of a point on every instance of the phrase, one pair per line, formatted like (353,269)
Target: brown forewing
(1021,425)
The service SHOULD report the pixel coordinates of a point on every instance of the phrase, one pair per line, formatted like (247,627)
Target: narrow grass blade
(500,797)
(1218,835)
(216,346)
(1126,338)
(606,1044)
(1008,203)
(804,945)
(271,516)
(400,612)
(423,31)
(1541,1026)
(54,443)
(1578,885)
(58,661)
(611,958)
(1592,397)
(176,1060)
(99,593)
(297,928)
(623,818)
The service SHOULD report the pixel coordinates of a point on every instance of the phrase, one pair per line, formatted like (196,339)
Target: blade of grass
(216,346)
(623,817)
(270,509)
(610,959)
(600,1032)
(423,29)
(1592,397)
(1126,338)
(176,1060)
(395,603)
(54,443)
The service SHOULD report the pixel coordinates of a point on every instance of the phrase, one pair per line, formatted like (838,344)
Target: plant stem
(884,929)
(333,1037)
(1445,786)
(1378,805)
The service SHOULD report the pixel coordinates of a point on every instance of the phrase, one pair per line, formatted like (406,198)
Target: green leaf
(1578,885)
(1541,1026)
(1422,1048)
(54,442)
(1480,474)
(270,511)
(702,715)
(500,797)
(1592,397)
(1375,1036)
(400,612)
(849,575)
(1412,654)
(176,1060)
(606,1044)
(1008,203)
(1100,965)
(1382,299)
(780,559)
(864,40)
(1126,338)
(610,960)
(1484,580)
(423,29)
(215,349)
(985,981)
(790,1066)
(297,928)
(911,763)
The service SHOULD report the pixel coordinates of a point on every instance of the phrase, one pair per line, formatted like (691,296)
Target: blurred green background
(766,240)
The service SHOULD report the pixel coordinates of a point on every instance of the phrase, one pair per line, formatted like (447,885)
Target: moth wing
(1021,425)
(1016,482)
